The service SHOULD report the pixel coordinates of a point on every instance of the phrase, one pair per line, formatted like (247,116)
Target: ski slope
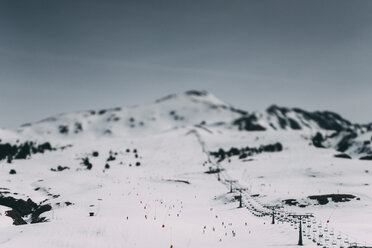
(148,186)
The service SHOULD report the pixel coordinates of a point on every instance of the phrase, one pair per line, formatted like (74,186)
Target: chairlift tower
(273,208)
(240,197)
(231,184)
(300,217)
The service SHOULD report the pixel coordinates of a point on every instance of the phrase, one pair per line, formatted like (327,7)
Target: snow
(170,187)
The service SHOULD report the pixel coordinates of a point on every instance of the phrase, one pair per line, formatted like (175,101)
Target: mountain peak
(196,96)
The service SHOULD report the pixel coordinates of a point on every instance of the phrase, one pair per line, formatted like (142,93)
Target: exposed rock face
(326,120)
(342,155)
(369,157)
(248,123)
(21,208)
(318,140)
(346,142)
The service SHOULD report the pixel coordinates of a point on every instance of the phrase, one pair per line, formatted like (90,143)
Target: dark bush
(246,151)
(110,158)
(87,163)
(63,129)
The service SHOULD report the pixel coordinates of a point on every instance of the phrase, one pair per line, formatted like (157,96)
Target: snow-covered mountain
(173,111)
(200,108)
(173,171)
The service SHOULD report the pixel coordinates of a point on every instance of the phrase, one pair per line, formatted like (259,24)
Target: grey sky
(61,56)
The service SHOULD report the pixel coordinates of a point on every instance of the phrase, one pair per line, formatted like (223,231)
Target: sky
(64,56)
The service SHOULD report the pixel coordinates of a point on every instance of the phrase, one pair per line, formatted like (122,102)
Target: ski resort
(185,124)
(186,171)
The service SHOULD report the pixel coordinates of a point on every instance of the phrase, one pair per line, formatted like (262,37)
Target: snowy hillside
(188,170)
(173,111)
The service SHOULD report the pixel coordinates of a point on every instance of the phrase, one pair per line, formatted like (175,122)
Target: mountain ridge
(326,129)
